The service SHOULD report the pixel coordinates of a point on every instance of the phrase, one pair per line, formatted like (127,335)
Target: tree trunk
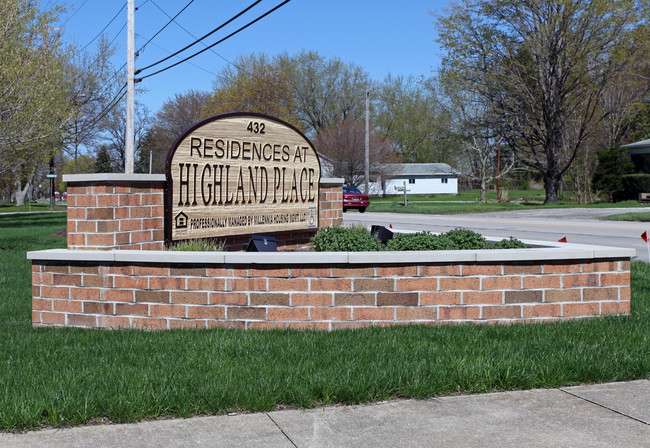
(551,185)
(483,189)
(20,193)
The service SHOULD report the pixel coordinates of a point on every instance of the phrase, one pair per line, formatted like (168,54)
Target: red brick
(81,269)
(206,312)
(581,309)
(333,284)
(99,308)
(417,313)
(86,226)
(117,295)
(152,296)
(59,269)
(41,304)
(244,313)
(359,313)
(270,271)
(76,240)
(122,238)
(542,310)
(189,297)
(505,282)
(128,225)
(417,284)
(152,198)
(330,313)
(264,299)
(440,298)
(140,212)
(350,271)
(622,307)
(288,284)
(82,320)
(434,270)
(459,312)
(514,269)
(206,284)
(396,271)
(130,309)
(354,299)
(562,295)
(578,280)
(601,266)
(53,318)
(481,269)
(592,294)
(464,283)
(187,324)
(97,281)
(615,279)
(624,265)
(287,313)
(312,272)
(113,322)
(397,298)
(131,282)
(625,293)
(141,237)
(101,189)
(562,268)
(147,323)
(307,299)
(501,312)
(100,239)
(164,310)
(228,298)
(374,284)
(151,270)
(266,325)
(107,226)
(66,279)
(527,296)
(229,324)
(542,282)
(55,292)
(77,213)
(309,325)
(100,213)
(168,283)
(249,284)
(223,272)
(482,297)
(86,201)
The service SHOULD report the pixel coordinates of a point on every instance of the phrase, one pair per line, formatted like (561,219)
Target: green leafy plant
(345,239)
(510,243)
(463,239)
(419,241)
(197,245)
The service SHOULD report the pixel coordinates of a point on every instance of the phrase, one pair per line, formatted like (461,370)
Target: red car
(353,198)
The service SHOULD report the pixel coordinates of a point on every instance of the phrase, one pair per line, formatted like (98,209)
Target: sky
(383,37)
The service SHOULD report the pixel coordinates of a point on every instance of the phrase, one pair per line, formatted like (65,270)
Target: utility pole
(367,170)
(130,89)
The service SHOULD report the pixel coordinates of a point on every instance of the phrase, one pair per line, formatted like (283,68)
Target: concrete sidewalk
(603,415)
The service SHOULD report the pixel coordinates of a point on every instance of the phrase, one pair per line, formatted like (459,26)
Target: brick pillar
(330,202)
(115,211)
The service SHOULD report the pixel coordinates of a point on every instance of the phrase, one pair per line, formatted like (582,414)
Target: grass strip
(69,376)
(641,217)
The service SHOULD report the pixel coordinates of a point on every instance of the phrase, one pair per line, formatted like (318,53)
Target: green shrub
(510,243)
(463,239)
(197,246)
(419,241)
(345,239)
(633,184)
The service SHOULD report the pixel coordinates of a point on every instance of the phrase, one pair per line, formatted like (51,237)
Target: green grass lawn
(68,376)
(34,207)
(641,217)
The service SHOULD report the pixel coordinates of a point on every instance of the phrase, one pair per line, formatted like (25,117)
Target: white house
(420,178)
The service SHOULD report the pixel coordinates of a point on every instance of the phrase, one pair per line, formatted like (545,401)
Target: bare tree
(114,131)
(344,147)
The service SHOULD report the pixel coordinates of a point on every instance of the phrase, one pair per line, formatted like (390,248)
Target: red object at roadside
(562,240)
(353,198)
(644,235)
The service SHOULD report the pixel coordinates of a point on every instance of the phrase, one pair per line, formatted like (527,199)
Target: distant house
(419,178)
(640,154)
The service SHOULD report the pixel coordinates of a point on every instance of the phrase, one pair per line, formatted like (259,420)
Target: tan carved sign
(240,174)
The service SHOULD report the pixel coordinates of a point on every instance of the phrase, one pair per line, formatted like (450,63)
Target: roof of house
(421,169)
(641,145)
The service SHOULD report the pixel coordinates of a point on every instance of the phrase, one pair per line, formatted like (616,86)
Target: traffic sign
(52,175)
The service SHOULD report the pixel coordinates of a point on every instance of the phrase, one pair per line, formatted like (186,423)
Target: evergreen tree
(104,163)
(613,163)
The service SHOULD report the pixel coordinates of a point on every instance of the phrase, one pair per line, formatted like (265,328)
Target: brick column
(331,202)
(115,211)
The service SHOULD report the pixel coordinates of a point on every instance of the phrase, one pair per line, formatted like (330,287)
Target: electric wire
(191,63)
(71,15)
(216,43)
(200,39)
(103,29)
(171,19)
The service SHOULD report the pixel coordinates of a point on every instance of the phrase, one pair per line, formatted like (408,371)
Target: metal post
(367,164)
(499,170)
(130,90)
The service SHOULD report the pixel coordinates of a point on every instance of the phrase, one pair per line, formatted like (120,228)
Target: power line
(216,43)
(191,63)
(73,14)
(171,19)
(199,40)
(103,29)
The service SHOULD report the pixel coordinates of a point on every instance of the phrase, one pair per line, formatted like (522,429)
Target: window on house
(444,180)
(411,181)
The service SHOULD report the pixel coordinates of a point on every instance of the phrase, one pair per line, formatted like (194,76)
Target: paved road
(601,415)
(578,225)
